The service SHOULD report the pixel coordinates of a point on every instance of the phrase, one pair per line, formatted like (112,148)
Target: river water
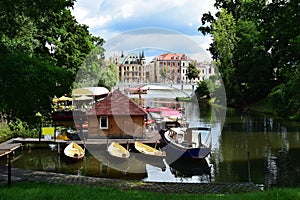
(273,147)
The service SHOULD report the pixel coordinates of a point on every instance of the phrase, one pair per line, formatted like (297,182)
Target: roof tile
(117,103)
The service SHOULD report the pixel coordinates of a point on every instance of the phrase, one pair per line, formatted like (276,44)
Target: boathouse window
(103,122)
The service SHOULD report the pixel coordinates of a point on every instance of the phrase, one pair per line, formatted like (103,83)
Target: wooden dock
(6,148)
(149,140)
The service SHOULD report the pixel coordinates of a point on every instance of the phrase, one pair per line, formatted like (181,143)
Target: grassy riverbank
(29,190)
(263,106)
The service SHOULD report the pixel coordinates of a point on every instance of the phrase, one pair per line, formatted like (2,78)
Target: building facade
(116,116)
(132,68)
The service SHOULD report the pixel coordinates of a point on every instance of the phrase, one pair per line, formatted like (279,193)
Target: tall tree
(96,71)
(41,49)
(192,72)
(263,53)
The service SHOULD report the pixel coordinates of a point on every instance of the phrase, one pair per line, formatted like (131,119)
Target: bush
(5,133)
(21,129)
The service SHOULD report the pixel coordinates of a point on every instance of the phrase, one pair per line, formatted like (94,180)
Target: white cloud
(155,40)
(110,18)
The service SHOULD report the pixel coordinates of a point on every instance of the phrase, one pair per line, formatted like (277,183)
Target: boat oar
(155,144)
(84,143)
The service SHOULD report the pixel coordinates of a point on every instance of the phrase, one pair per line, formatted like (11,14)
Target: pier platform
(150,139)
(6,148)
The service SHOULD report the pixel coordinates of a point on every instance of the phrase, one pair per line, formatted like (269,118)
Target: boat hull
(174,151)
(183,168)
(74,152)
(116,150)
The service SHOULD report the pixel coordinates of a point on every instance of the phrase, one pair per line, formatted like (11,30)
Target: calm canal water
(273,146)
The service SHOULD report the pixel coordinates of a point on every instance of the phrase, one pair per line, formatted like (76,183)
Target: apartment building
(131,67)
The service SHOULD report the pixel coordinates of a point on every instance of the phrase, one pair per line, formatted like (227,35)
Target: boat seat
(188,144)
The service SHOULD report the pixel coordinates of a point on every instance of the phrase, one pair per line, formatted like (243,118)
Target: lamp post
(39,116)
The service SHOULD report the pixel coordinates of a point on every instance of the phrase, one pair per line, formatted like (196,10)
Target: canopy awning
(95,91)
(83,97)
(61,99)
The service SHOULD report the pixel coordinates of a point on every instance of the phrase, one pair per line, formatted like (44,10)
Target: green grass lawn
(29,190)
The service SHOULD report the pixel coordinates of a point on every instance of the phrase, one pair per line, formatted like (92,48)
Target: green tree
(109,75)
(223,31)
(254,46)
(29,85)
(163,73)
(41,49)
(96,71)
(202,90)
(192,72)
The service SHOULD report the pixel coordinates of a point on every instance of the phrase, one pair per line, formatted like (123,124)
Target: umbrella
(81,91)
(55,100)
(83,97)
(98,90)
(64,98)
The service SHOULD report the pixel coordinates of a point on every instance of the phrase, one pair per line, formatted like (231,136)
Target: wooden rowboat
(74,151)
(116,150)
(145,149)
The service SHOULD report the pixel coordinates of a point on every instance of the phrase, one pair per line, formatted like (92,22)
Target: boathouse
(116,116)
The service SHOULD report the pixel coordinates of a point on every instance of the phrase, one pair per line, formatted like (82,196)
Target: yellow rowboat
(62,137)
(143,148)
(73,150)
(116,150)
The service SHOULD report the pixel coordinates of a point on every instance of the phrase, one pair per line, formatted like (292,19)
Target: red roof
(117,103)
(173,56)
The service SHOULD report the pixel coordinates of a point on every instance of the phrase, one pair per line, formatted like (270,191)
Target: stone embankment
(189,188)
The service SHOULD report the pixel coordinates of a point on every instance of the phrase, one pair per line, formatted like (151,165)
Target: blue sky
(175,22)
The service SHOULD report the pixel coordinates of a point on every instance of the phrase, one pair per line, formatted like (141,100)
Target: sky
(154,26)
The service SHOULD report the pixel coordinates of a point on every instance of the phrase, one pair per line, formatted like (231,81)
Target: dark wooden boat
(179,145)
(72,134)
(184,168)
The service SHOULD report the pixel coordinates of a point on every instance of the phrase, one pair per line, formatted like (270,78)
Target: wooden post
(58,147)
(248,159)
(54,132)
(8,170)
(40,133)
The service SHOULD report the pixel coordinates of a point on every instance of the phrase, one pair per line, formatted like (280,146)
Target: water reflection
(272,144)
(42,158)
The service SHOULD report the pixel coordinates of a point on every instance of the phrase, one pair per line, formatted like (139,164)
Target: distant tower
(143,59)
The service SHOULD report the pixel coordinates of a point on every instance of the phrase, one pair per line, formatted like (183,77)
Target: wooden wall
(119,127)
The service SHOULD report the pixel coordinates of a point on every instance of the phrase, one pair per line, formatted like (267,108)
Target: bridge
(187,89)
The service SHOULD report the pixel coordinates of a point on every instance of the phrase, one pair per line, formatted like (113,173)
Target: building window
(103,122)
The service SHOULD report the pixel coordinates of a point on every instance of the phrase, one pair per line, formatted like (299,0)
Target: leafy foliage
(41,48)
(256,48)
(202,90)
(192,72)
(95,71)
(163,72)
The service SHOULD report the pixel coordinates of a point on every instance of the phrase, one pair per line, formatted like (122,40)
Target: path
(189,188)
